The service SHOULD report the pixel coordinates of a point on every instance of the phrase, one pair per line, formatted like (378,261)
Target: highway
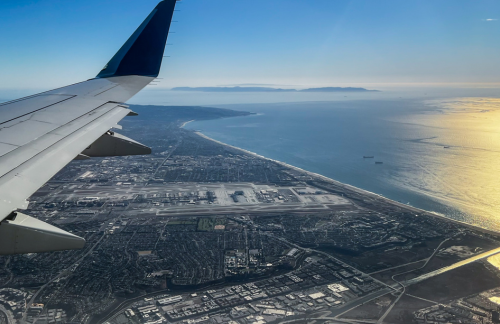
(357,302)
(335,313)
(388,311)
(61,274)
(6,316)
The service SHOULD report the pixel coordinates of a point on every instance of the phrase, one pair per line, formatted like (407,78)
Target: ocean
(440,153)
(438,148)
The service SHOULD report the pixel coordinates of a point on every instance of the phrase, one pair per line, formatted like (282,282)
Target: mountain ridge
(270,89)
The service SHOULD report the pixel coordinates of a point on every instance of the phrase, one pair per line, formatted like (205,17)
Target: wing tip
(142,54)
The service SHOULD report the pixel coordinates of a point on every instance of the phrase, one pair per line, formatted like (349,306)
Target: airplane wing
(42,133)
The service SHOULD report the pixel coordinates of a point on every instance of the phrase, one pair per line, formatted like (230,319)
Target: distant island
(233,89)
(269,89)
(338,89)
(149,113)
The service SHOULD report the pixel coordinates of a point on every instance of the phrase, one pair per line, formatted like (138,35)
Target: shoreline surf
(348,186)
(185,123)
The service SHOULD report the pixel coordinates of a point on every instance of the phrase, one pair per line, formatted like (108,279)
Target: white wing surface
(40,134)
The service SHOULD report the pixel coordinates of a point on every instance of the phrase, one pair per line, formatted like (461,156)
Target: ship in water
(368,156)
(378,162)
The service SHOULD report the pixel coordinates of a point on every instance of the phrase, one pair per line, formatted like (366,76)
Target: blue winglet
(143,52)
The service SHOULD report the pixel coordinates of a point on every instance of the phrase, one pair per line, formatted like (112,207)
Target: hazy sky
(51,43)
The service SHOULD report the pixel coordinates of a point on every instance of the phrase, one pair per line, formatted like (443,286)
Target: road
(431,274)
(350,304)
(388,288)
(126,303)
(62,273)
(388,311)
(166,158)
(326,255)
(358,302)
(7,315)
(398,286)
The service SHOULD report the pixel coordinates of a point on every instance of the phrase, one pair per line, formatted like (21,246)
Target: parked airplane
(42,133)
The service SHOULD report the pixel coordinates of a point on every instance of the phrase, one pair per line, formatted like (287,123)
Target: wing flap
(6,148)
(66,111)
(24,132)
(24,153)
(15,109)
(114,144)
(25,234)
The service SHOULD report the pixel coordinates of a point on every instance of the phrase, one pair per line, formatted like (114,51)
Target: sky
(283,43)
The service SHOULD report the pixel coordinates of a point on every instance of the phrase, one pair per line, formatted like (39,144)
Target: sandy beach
(343,185)
(185,123)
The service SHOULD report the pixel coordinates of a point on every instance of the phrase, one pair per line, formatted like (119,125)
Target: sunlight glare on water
(463,167)
(440,154)
(495,261)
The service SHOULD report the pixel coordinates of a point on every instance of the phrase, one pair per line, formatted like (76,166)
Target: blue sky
(51,43)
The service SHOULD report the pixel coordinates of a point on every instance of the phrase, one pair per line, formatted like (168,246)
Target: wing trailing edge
(24,234)
(78,115)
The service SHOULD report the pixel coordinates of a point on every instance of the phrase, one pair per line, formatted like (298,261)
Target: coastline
(347,186)
(185,123)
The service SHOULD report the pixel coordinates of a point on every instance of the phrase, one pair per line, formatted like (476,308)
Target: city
(200,232)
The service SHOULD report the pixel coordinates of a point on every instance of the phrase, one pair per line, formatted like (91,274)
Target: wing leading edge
(42,133)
